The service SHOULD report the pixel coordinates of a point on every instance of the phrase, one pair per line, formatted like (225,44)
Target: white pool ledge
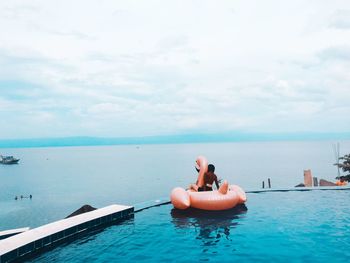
(33,240)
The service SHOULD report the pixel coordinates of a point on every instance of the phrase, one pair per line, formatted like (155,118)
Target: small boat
(8,160)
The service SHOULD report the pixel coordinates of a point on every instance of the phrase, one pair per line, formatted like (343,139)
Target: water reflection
(210,225)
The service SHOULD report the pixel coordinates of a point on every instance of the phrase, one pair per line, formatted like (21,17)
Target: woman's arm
(216,182)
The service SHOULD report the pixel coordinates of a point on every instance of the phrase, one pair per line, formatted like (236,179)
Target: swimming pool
(276,226)
(62,179)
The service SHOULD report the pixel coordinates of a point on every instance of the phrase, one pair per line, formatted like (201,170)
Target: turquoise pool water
(63,179)
(312,226)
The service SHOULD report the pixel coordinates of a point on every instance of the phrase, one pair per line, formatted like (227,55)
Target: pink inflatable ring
(227,197)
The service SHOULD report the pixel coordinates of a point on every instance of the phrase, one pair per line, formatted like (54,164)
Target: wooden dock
(37,240)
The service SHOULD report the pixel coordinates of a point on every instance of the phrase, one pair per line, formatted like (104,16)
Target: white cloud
(340,19)
(108,68)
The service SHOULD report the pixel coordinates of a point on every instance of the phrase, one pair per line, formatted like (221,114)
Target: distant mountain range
(170,139)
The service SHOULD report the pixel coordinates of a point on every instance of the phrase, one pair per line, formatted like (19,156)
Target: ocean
(62,179)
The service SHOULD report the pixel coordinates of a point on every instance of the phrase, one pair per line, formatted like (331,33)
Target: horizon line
(171,139)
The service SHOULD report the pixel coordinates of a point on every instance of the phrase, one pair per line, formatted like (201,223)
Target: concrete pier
(34,241)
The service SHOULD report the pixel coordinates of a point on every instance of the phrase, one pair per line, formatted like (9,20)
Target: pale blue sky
(140,68)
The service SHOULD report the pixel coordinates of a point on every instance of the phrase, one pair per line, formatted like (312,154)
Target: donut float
(226,197)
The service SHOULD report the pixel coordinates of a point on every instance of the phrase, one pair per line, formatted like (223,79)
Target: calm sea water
(309,226)
(63,179)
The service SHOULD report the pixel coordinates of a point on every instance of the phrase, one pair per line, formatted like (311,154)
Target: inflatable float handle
(223,188)
(202,162)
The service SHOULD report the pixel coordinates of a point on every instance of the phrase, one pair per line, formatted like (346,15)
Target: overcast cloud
(138,68)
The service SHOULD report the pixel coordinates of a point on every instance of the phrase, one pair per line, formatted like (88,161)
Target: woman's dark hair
(211,168)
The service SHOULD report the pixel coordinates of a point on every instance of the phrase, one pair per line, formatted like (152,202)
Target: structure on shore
(310,181)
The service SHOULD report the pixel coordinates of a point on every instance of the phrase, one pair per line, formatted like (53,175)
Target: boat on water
(8,160)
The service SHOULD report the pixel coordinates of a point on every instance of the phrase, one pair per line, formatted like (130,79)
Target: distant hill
(170,139)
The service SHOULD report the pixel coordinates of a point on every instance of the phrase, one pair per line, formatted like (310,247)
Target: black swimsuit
(208,189)
(205,188)
(201,189)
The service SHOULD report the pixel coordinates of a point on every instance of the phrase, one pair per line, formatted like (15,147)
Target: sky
(144,68)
